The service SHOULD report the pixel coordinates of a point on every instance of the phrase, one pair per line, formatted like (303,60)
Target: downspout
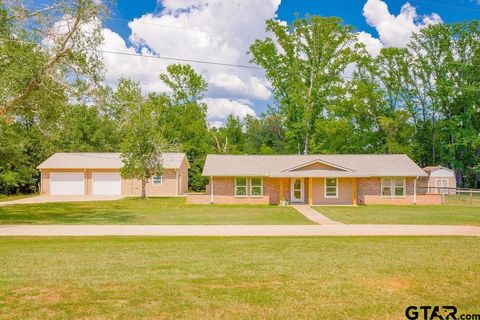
(415,191)
(41,183)
(176,181)
(211,189)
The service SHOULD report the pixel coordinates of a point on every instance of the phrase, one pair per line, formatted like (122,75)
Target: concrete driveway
(46,199)
(237,230)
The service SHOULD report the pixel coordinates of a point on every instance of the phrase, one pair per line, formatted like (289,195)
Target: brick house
(312,179)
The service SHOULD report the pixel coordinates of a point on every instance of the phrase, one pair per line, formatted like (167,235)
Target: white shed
(439,178)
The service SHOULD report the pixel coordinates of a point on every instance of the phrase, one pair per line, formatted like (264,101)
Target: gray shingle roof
(358,165)
(91,160)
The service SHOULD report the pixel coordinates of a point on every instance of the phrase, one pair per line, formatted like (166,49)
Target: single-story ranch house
(312,179)
(99,174)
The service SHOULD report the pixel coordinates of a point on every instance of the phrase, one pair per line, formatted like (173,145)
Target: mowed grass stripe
(390,214)
(150,211)
(235,278)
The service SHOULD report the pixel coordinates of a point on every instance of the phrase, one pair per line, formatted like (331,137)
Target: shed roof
(104,160)
(344,165)
(434,168)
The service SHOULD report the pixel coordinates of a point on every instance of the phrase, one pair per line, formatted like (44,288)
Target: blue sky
(221,31)
(349,10)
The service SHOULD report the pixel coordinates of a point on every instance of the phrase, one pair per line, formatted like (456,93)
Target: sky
(222,30)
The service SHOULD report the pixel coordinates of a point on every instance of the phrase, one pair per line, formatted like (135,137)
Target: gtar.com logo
(431,313)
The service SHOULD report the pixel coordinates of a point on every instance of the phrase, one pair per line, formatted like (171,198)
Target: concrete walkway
(46,199)
(237,230)
(313,214)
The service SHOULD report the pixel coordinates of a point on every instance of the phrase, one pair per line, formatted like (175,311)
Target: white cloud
(396,30)
(213,30)
(219,109)
(373,45)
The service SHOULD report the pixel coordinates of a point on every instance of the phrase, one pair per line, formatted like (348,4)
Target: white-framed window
(256,187)
(441,183)
(157,180)
(331,188)
(393,187)
(240,187)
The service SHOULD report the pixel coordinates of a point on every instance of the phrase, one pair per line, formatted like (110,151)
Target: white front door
(67,183)
(106,183)
(297,188)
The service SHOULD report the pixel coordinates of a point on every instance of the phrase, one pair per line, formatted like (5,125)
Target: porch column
(310,193)
(354,191)
(281,191)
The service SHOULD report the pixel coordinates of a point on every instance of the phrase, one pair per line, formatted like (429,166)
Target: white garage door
(107,183)
(67,183)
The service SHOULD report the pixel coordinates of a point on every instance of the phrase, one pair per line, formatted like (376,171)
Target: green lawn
(150,211)
(235,278)
(15,197)
(463,199)
(443,215)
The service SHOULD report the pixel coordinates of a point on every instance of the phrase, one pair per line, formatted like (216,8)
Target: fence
(454,196)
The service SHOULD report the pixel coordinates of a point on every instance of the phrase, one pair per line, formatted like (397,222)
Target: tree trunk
(305,146)
(144,193)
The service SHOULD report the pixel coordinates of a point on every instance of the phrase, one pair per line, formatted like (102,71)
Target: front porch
(319,191)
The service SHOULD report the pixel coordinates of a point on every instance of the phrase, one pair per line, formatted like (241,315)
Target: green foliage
(422,100)
(184,117)
(306,72)
(143,141)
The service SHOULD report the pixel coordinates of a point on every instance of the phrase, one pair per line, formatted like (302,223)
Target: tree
(184,117)
(60,37)
(143,142)
(304,64)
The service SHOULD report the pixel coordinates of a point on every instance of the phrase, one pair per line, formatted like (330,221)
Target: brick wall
(224,193)
(369,192)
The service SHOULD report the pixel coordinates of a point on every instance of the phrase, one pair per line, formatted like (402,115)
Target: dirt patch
(390,284)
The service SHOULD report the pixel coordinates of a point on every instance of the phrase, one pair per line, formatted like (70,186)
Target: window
(241,187)
(386,187)
(399,187)
(256,187)
(157,180)
(393,187)
(331,189)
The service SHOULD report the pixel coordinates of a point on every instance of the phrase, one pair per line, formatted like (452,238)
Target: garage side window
(157,180)
(240,187)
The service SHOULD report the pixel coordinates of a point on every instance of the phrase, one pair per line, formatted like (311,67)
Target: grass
(16,197)
(235,278)
(463,198)
(150,211)
(436,215)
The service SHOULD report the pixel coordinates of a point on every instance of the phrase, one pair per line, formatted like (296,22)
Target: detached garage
(99,174)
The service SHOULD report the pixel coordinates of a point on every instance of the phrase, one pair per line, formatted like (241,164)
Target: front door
(297,188)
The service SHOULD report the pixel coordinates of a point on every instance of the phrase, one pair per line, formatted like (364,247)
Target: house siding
(344,192)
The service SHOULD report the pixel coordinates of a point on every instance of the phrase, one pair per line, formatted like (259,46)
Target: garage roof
(90,160)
